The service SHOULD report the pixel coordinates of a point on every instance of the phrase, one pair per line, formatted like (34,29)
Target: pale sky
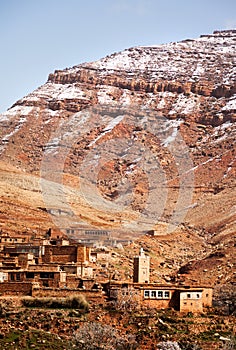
(39,36)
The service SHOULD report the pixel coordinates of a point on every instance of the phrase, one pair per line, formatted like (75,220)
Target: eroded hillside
(132,142)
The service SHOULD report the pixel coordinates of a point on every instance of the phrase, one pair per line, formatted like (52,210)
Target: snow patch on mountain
(56,91)
(230,105)
(110,126)
(184,105)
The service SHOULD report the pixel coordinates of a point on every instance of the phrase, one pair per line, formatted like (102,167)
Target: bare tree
(96,336)
(126,300)
(168,345)
(230,344)
(225,299)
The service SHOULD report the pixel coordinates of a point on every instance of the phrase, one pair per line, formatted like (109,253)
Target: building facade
(184,299)
(141,268)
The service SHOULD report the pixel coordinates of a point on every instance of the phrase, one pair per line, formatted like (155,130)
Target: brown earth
(25,328)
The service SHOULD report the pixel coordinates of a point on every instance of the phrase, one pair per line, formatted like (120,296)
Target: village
(57,266)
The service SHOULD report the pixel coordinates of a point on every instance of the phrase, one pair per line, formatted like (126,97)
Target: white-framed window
(153,294)
(166,294)
(192,295)
(156,294)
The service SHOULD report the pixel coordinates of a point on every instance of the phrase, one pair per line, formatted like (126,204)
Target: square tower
(141,268)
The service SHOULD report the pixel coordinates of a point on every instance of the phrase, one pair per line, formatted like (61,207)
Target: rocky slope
(191,84)
(176,101)
(40,328)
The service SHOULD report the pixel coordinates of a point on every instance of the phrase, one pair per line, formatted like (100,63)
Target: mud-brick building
(45,266)
(65,254)
(76,253)
(6,239)
(194,299)
(43,277)
(183,299)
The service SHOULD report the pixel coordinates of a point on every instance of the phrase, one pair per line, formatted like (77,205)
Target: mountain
(140,140)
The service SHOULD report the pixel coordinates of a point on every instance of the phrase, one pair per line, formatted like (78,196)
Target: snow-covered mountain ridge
(185,61)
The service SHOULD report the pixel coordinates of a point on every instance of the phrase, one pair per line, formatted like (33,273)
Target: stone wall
(65,254)
(191,305)
(207,295)
(16,288)
(191,301)
(60,254)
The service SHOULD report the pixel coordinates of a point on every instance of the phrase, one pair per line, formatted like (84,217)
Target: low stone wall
(16,288)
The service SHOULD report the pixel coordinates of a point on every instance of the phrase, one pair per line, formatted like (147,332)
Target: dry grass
(71,302)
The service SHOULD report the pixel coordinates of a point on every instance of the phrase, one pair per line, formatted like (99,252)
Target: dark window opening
(46,275)
(29,274)
(153,294)
(167,294)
